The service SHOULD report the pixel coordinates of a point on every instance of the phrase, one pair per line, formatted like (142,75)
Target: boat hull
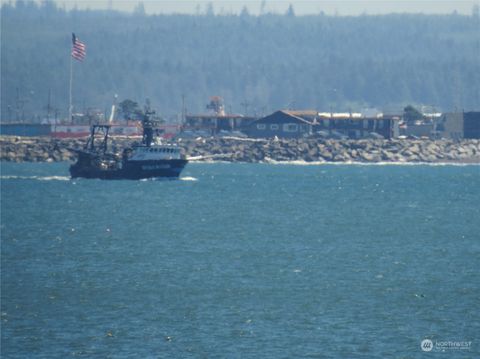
(132,170)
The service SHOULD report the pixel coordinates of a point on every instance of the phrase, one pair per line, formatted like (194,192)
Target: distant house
(216,120)
(25,129)
(292,124)
(356,126)
(454,125)
(281,124)
(214,123)
(471,124)
(450,125)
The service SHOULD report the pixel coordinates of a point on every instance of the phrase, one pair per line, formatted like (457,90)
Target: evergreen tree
(270,60)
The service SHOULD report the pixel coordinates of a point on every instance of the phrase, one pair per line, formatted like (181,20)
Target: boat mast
(70,117)
(147,127)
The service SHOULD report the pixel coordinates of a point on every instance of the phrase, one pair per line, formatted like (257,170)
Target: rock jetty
(43,149)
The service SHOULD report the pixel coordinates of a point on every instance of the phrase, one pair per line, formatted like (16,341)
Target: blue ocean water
(241,261)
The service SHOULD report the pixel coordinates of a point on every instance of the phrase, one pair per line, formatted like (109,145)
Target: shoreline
(349,163)
(279,151)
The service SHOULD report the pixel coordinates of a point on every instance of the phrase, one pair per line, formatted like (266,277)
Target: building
(281,124)
(450,125)
(419,129)
(294,124)
(216,120)
(25,129)
(471,124)
(355,125)
(213,124)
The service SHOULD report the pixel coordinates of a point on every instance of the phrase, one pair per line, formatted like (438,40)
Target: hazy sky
(341,7)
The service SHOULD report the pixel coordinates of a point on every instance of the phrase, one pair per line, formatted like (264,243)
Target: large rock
(326,155)
(388,156)
(366,156)
(250,150)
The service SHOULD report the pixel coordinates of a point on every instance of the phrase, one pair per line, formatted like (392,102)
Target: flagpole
(78,52)
(70,107)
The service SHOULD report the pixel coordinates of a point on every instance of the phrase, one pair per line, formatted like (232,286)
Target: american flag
(79,50)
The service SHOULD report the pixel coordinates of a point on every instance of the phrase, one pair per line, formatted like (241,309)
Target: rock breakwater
(43,149)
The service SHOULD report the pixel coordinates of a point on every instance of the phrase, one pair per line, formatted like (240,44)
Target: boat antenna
(147,124)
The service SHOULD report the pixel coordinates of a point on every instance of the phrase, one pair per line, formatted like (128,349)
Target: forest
(256,63)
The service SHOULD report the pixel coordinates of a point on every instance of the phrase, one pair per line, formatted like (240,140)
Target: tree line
(256,63)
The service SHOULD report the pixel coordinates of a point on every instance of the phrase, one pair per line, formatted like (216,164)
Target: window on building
(274,127)
(290,127)
(261,126)
(354,134)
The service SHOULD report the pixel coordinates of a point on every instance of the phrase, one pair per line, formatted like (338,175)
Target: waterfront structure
(216,121)
(25,129)
(63,130)
(294,124)
(212,124)
(450,126)
(471,124)
(282,124)
(355,125)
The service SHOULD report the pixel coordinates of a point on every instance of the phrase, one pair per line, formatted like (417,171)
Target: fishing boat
(150,159)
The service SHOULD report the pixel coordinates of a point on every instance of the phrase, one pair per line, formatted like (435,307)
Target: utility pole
(17,106)
(48,107)
(56,116)
(184,114)
(245,104)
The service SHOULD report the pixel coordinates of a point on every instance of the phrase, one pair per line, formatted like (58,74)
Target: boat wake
(192,179)
(268,161)
(353,163)
(67,178)
(168,179)
(37,178)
